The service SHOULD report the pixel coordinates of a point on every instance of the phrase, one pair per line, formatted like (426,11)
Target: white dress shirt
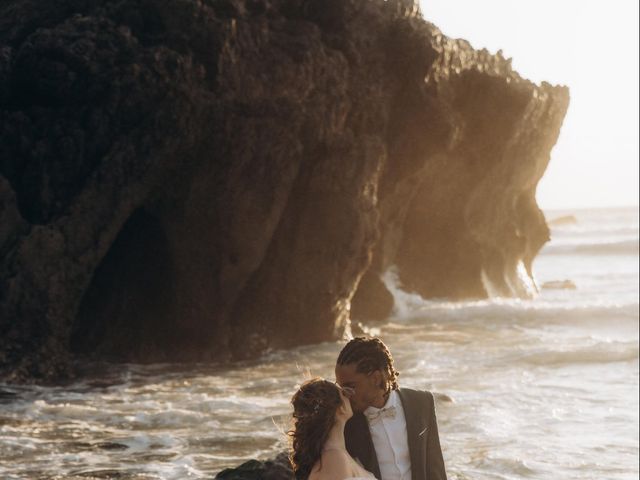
(389,437)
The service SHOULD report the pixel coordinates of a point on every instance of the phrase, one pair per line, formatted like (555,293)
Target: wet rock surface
(276,469)
(203,180)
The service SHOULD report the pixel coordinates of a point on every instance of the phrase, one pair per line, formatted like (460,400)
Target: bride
(320,411)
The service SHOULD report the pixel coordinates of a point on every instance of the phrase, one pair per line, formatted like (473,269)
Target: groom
(393,431)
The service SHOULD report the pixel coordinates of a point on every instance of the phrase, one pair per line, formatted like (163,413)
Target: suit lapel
(375,466)
(416,435)
(360,444)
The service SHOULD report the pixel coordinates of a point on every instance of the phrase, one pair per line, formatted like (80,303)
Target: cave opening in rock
(127,311)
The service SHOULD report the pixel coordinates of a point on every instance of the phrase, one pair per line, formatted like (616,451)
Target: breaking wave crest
(620,247)
(600,352)
(518,311)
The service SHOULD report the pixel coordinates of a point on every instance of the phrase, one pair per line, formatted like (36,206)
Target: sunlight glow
(592,47)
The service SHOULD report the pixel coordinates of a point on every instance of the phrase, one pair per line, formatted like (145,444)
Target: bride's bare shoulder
(332,465)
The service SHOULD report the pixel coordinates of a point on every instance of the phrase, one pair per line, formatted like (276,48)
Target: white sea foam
(510,311)
(599,353)
(404,303)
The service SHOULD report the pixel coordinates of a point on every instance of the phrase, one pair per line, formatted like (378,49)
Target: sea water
(540,389)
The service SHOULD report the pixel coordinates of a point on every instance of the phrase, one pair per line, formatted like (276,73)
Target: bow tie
(376,415)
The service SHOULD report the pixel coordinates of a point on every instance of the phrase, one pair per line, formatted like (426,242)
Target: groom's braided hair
(369,355)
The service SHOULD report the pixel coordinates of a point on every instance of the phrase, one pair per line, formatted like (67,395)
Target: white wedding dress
(365,474)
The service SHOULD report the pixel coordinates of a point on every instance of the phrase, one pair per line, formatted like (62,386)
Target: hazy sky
(590,46)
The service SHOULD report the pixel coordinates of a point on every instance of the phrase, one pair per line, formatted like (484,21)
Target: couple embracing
(363,426)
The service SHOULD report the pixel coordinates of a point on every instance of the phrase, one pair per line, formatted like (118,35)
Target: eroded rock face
(193,180)
(465,222)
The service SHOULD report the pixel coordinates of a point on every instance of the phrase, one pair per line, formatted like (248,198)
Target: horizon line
(595,207)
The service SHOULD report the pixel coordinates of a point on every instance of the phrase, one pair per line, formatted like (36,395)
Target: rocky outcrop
(277,469)
(465,223)
(194,180)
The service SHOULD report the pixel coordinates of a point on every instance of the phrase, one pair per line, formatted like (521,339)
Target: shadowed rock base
(277,469)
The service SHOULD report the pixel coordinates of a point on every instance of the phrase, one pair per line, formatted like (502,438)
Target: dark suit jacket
(422,433)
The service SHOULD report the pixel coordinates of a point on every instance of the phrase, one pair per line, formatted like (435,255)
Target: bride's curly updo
(314,412)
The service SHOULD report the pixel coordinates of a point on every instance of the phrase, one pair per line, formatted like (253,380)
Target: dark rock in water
(277,469)
(563,220)
(187,180)
(106,474)
(375,302)
(559,285)
(110,446)
(97,446)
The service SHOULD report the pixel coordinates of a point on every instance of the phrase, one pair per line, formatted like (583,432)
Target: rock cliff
(205,179)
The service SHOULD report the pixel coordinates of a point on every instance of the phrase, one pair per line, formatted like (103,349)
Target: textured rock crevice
(203,180)
(467,224)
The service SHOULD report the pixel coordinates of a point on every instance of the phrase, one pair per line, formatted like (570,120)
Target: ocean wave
(602,352)
(501,310)
(620,247)
(593,218)
(595,231)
